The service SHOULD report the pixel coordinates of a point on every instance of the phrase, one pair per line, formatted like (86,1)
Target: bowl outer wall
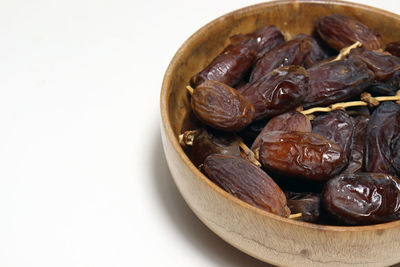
(265,236)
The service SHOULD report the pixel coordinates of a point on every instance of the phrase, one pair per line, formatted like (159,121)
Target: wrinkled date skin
(388,87)
(279,91)
(339,31)
(357,145)
(235,61)
(316,54)
(337,126)
(293,52)
(382,133)
(303,155)
(207,142)
(221,107)
(382,65)
(305,203)
(268,38)
(246,182)
(394,48)
(289,121)
(363,198)
(336,81)
(230,66)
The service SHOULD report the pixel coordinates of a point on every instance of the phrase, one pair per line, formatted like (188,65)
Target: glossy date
(279,91)
(336,81)
(363,198)
(293,52)
(357,145)
(289,121)
(230,66)
(303,155)
(382,133)
(337,126)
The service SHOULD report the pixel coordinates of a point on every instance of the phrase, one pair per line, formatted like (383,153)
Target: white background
(83,178)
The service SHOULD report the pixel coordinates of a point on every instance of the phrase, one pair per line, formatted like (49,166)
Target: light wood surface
(265,236)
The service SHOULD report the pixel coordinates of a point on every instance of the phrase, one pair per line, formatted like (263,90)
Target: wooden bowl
(265,236)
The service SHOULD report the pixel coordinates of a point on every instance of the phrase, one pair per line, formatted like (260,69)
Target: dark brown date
(363,198)
(307,204)
(303,155)
(337,126)
(394,48)
(221,107)
(357,145)
(388,87)
(246,182)
(207,142)
(231,65)
(336,81)
(268,37)
(316,54)
(279,91)
(289,121)
(339,31)
(293,52)
(382,131)
(383,66)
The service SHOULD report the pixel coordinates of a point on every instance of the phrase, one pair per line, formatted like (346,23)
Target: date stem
(366,98)
(374,101)
(295,216)
(249,154)
(344,52)
(190,89)
(186,139)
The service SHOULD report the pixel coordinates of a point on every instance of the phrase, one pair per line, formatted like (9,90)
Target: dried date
(268,37)
(293,52)
(231,65)
(363,198)
(383,129)
(207,142)
(303,155)
(279,91)
(246,182)
(307,204)
(340,31)
(289,121)
(383,66)
(336,81)
(221,107)
(317,53)
(388,87)
(337,126)
(357,145)
(394,48)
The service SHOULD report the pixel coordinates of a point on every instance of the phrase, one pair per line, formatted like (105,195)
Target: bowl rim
(164,97)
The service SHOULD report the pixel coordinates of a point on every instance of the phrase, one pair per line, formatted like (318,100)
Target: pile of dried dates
(306,128)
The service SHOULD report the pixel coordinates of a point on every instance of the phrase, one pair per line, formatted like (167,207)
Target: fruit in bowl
(295,161)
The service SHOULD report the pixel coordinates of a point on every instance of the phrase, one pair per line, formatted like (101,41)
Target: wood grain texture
(260,234)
